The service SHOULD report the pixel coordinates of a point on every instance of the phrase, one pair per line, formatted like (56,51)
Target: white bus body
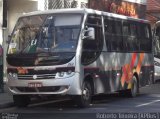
(78,52)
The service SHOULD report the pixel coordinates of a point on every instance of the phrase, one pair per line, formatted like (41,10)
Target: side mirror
(89,33)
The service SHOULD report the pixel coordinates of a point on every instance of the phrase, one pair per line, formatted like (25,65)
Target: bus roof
(82,11)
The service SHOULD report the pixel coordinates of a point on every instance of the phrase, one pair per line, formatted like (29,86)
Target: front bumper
(49,86)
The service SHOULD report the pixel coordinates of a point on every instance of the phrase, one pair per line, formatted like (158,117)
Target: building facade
(153,11)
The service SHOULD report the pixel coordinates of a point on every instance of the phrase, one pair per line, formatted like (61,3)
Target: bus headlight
(64,74)
(69,72)
(61,74)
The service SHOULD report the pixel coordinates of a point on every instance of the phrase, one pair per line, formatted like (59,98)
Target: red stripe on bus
(134,56)
(127,70)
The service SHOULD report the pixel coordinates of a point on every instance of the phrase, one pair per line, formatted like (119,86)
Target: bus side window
(93,48)
(145,37)
(113,34)
(134,42)
(126,34)
(108,33)
(117,41)
(157,41)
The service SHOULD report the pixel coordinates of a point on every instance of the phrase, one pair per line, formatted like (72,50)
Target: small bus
(78,53)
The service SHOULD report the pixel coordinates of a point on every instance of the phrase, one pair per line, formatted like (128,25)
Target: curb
(7,105)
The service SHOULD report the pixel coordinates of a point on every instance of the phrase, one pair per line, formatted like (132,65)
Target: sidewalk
(6,99)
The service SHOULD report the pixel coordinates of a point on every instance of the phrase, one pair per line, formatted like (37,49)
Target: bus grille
(36,77)
(40,89)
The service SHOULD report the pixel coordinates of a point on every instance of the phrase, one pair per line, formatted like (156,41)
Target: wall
(17,8)
(1,16)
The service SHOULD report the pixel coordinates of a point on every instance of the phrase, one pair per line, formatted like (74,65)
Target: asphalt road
(103,106)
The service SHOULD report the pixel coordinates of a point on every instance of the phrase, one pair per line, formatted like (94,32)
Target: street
(148,101)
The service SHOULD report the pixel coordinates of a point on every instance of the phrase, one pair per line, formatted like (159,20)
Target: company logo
(34,77)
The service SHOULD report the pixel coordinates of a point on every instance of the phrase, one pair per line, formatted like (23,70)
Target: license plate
(35,84)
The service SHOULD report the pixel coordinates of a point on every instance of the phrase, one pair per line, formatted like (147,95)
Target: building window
(57,4)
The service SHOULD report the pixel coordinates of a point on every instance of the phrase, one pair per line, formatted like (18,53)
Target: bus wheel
(84,100)
(21,100)
(134,88)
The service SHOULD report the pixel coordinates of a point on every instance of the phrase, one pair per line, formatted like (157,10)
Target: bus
(78,53)
(156,37)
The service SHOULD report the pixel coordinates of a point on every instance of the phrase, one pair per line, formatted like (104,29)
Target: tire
(84,100)
(21,100)
(151,80)
(133,92)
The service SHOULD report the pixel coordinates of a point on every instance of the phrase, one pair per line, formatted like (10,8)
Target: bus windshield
(45,33)
(157,43)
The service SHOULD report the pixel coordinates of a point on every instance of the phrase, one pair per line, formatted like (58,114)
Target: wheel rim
(134,87)
(86,93)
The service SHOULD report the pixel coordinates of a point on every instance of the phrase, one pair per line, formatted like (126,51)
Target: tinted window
(130,39)
(157,43)
(113,34)
(108,26)
(134,37)
(127,35)
(93,48)
(145,37)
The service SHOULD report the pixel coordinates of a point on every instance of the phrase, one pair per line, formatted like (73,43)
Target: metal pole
(1,49)
(1,70)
